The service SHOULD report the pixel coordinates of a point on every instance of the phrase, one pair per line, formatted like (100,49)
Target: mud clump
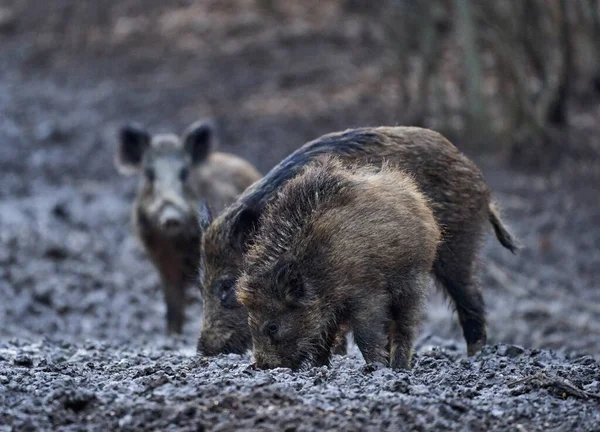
(166,388)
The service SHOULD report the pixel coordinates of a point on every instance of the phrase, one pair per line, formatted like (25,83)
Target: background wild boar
(339,246)
(455,186)
(175,175)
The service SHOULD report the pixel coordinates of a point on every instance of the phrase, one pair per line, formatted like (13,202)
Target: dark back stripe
(347,144)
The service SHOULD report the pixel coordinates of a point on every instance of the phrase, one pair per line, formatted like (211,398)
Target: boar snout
(265,361)
(209,343)
(263,364)
(170,219)
(212,343)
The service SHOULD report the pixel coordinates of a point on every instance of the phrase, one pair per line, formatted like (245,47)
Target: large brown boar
(339,246)
(459,197)
(176,173)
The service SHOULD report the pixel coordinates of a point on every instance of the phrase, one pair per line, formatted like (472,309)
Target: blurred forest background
(519,79)
(514,83)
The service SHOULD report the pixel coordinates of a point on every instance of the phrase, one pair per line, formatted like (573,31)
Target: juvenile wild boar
(339,246)
(460,200)
(176,173)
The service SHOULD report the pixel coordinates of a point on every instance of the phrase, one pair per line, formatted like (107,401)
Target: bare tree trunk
(398,27)
(405,23)
(592,9)
(511,66)
(551,47)
(467,33)
(557,111)
(428,47)
(531,35)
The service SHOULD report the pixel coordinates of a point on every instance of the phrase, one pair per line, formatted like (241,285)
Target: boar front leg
(407,312)
(369,324)
(175,301)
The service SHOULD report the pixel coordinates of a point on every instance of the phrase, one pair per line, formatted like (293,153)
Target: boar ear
(244,225)
(199,139)
(133,143)
(287,276)
(205,217)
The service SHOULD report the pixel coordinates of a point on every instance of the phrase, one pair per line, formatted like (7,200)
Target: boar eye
(227,294)
(271,329)
(183,174)
(150,174)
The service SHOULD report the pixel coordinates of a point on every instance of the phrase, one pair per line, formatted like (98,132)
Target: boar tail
(502,234)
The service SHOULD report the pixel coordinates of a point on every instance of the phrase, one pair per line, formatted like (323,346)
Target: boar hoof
(174,328)
(474,348)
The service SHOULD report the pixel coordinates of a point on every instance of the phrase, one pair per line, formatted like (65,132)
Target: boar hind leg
(340,345)
(407,311)
(175,300)
(369,325)
(454,269)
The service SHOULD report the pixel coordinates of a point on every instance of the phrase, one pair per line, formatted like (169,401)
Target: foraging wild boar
(339,246)
(175,175)
(460,200)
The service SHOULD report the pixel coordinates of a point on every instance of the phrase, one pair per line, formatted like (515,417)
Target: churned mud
(98,386)
(82,344)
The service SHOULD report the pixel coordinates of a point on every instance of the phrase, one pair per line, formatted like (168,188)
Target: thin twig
(541,379)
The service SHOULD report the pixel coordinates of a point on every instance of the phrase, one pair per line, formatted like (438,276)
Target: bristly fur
(304,203)
(455,187)
(339,244)
(218,178)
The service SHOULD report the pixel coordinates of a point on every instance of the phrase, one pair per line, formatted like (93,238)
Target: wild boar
(337,246)
(460,200)
(176,173)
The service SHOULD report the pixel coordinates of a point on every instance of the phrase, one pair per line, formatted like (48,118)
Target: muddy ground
(81,314)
